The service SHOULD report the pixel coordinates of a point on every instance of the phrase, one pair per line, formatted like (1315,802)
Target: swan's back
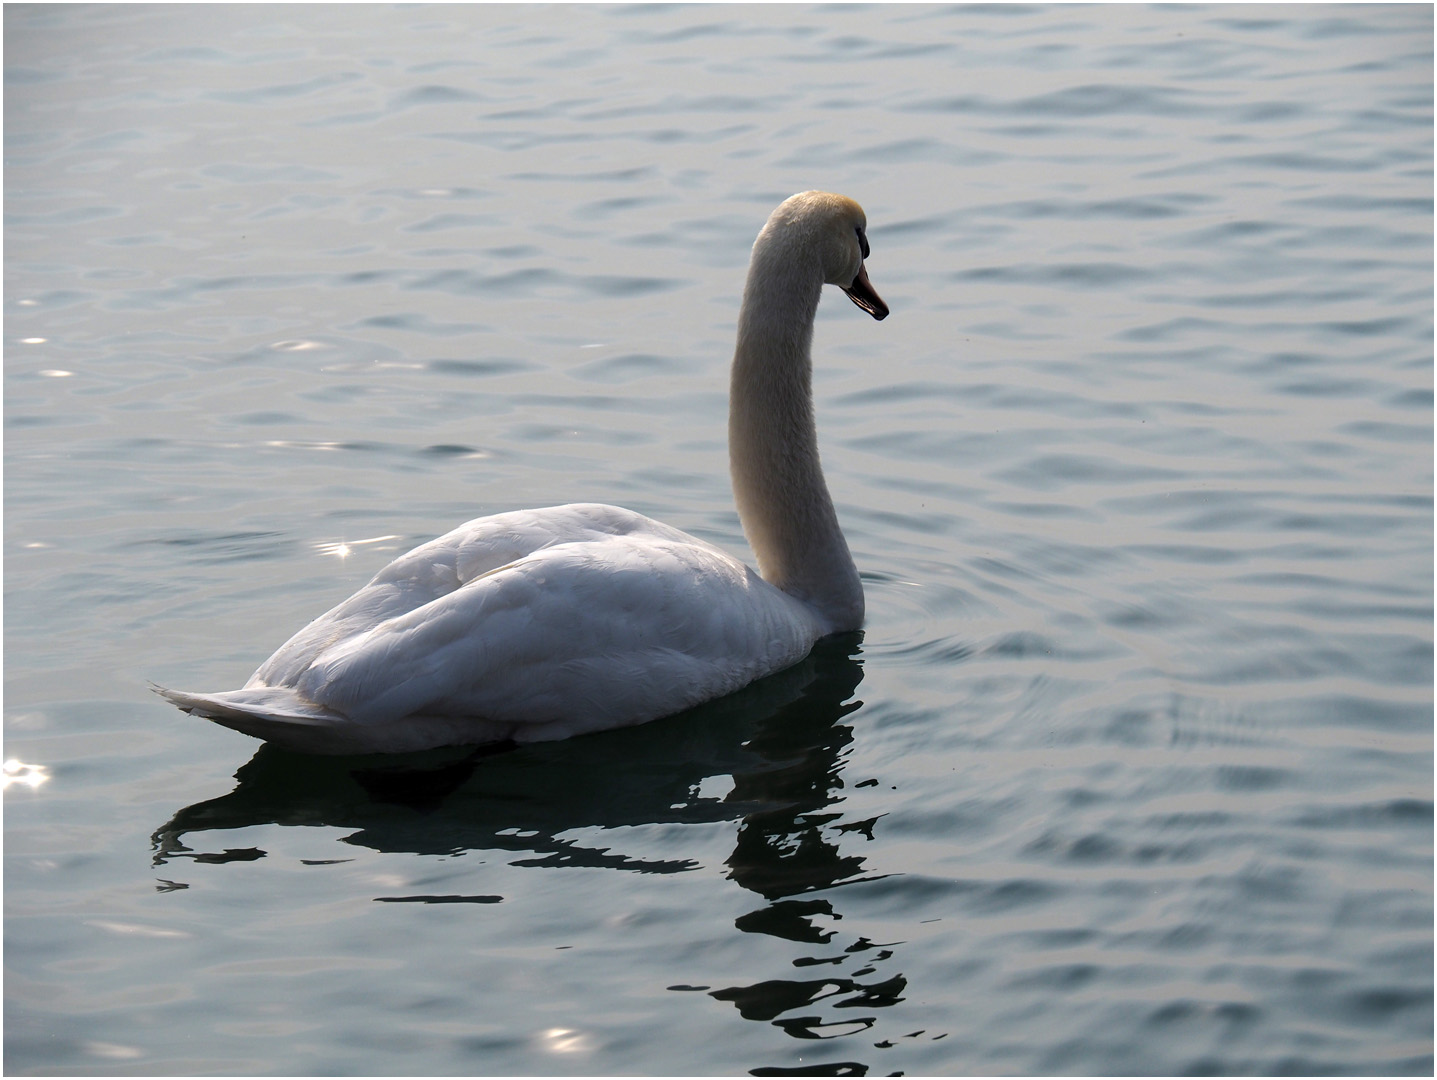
(530,626)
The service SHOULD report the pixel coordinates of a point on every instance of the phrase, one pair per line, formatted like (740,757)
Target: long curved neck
(778,485)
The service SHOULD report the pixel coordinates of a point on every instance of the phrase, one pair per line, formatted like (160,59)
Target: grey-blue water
(1130,770)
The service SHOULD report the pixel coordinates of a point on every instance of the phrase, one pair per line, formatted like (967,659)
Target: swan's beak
(861,293)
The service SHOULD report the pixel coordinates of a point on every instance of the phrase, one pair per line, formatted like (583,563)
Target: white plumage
(541,624)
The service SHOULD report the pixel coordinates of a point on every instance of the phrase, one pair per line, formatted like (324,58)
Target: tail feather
(279,715)
(273,713)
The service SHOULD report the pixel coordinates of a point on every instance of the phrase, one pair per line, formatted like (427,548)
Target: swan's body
(541,624)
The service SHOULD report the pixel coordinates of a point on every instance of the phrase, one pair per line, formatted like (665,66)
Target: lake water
(1131,768)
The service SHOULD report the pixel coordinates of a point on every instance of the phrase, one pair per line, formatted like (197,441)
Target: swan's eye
(862,242)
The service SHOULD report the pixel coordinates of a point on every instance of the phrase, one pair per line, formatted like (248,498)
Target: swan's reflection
(779,744)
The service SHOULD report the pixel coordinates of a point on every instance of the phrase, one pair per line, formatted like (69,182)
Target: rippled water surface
(1131,768)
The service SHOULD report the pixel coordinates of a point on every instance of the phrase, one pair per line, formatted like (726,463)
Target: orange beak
(861,292)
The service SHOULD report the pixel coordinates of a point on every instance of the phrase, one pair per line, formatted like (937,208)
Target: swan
(542,624)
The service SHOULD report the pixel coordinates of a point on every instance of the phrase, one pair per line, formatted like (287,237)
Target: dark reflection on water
(781,741)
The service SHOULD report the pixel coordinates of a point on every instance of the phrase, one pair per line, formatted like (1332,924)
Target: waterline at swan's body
(541,624)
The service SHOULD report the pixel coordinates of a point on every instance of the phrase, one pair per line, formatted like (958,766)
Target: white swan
(541,624)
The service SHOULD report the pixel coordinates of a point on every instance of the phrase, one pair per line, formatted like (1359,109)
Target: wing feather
(553,621)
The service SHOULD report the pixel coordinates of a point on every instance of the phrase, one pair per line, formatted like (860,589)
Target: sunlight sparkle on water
(17,772)
(566,1041)
(343,549)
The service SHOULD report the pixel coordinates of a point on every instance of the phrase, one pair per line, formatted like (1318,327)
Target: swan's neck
(778,484)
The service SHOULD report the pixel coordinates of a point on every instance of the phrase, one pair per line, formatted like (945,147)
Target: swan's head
(834,228)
